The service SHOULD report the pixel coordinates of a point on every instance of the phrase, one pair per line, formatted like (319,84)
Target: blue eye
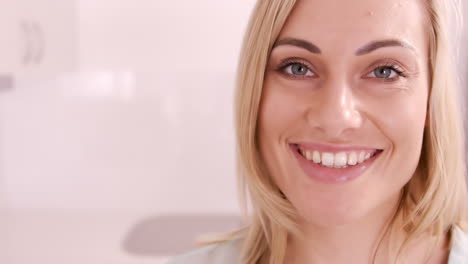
(298,69)
(385,72)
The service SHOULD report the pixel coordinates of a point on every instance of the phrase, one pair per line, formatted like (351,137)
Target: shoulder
(459,248)
(222,253)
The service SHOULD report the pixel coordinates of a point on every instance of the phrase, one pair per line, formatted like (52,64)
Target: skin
(338,98)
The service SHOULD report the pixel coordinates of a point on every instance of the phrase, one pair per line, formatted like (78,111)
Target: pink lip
(333,148)
(331,175)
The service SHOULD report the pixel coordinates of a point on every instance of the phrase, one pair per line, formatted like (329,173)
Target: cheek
(401,121)
(280,117)
(279,112)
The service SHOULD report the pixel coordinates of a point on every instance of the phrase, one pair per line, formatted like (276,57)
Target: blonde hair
(439,206)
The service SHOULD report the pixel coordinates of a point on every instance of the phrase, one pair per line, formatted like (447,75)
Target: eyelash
(289,62)
(392,66)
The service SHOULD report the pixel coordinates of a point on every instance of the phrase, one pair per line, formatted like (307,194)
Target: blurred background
(116,128)
(116,133)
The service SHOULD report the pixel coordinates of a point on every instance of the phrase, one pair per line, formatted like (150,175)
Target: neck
(355,242)
(369,240)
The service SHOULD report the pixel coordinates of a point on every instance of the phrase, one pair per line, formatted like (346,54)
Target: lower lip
(331,175)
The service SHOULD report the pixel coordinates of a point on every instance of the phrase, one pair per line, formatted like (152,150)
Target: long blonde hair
(439,206)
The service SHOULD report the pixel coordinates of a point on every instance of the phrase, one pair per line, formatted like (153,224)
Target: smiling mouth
(334,165)
(337,159)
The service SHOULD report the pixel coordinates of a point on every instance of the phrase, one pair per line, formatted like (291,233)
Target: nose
(334,110)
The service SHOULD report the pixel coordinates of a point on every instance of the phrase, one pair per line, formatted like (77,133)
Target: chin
(346,210)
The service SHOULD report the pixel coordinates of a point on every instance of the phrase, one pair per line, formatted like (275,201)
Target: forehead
(346,25)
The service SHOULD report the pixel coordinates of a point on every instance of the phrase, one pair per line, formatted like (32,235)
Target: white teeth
(327,159)
(352,159)
(340,160)
(361,157)
(316,157)
(367,156)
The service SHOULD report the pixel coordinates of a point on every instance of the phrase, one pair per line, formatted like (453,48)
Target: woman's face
(343,106)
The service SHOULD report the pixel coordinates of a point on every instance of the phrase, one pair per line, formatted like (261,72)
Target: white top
(229,252)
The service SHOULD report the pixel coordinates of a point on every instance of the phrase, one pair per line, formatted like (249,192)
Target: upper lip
(325,147)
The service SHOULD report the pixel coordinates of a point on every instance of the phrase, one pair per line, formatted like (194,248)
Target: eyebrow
(298,43)
(368,48)
(382,44)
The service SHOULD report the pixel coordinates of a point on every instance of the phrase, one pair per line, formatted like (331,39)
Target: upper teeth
(337,160)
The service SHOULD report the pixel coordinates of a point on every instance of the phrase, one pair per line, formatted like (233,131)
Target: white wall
(145,124)
(162,36)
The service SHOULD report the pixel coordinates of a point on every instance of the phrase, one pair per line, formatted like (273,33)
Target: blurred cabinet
(38,38)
